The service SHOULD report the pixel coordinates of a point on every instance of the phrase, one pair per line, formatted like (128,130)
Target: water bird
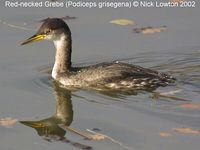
(54,128)
(103,76)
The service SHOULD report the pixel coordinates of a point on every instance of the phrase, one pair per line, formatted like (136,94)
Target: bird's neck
(63,55)
(64,110)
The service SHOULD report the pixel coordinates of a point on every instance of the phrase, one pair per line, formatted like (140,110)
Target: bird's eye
(48,31)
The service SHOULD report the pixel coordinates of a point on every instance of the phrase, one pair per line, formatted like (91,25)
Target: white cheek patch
(60,42)
(49,37)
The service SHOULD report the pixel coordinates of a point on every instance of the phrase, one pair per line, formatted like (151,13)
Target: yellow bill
(34,38)
(33,124)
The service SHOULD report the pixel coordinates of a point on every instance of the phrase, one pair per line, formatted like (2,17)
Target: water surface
(28,93)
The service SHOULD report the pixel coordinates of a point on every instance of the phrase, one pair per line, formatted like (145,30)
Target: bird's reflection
(50,128)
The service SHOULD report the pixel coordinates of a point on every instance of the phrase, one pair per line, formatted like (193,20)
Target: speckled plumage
(114,76)
(104,76)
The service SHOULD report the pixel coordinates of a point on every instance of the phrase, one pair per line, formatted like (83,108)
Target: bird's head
(51,29)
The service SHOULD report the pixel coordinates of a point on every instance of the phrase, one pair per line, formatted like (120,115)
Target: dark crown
(53,24)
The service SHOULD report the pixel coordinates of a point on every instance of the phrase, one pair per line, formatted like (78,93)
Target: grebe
(115,75)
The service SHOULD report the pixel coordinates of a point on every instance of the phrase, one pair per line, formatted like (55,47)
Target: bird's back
(115,76)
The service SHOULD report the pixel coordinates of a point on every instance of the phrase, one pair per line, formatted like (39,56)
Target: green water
(27,92)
